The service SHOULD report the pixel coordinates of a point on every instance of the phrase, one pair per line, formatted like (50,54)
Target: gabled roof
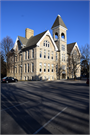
(34,39)
(58,22)
(70,47)
(23,40)
(47,33)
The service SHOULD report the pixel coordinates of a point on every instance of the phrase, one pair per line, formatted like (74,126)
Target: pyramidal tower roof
(58,22)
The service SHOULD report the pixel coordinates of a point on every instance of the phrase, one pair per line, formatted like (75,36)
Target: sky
(40,16)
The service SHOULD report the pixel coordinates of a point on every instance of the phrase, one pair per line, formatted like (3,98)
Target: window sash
(28,68)
(28,54)
(32,53)
(40,67)
(25,55)
(63,47)
(44,67)
(32,67)
(25,68)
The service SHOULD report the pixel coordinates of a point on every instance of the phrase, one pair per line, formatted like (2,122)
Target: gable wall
(46,60)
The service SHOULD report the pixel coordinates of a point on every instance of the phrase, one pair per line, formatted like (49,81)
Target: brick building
(43,56)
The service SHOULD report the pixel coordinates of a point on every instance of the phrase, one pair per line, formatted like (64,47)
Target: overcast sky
(40,16)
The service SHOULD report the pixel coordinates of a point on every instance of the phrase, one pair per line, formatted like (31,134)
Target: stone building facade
(43,57)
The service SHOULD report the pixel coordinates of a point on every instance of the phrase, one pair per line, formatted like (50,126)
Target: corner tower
(60,37)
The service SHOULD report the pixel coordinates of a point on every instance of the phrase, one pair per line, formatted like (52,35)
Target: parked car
(87,82)
(8,79)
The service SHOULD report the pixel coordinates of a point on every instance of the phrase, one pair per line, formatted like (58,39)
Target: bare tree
(85,59)
(77,62)
(73,64)
(3,66)
(6,46)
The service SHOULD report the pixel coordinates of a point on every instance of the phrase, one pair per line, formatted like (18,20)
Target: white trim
(59,26)
(47,33)
(63,27)
(23,45)
(15,43)
(63,40)
(59,15)
(76,45)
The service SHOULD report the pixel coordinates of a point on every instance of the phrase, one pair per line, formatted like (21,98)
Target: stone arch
(56,35)
(62,35)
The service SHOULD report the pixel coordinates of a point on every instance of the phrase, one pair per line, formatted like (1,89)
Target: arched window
(46,43)
(62,36)
(75,52)
(56,35)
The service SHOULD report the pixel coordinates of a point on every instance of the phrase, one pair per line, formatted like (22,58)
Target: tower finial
(59,15)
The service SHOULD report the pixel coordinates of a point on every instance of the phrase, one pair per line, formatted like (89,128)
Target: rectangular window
(15,58)
(52,68)
(63,67)
(64,57)
(44,67)
(12,69)
(56,68)
(63,47)
(27,77)
(32,53)
(44,53)
(52,55)
(28,67)
(15,69)
(40,53)
(46,43)
(48,77)
(40,67)
(25,68)
(20,69)
(48,54)
(48,67)
(32,67)
(56,55)
(24,77)
(28,54)
(25,55)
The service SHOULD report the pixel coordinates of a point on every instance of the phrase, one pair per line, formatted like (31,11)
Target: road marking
(49,121)
(14,106)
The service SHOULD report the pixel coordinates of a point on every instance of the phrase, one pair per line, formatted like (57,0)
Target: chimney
(29,33)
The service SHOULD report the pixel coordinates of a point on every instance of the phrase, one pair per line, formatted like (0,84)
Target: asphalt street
(45,107)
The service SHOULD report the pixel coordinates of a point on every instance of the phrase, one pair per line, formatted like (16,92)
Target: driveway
(41,107)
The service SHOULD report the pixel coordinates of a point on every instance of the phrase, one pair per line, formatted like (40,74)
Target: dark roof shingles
(70,47)
(23,40)
(58,22)
(33,40)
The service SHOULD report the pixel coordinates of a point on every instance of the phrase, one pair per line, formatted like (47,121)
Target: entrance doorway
(63,76)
